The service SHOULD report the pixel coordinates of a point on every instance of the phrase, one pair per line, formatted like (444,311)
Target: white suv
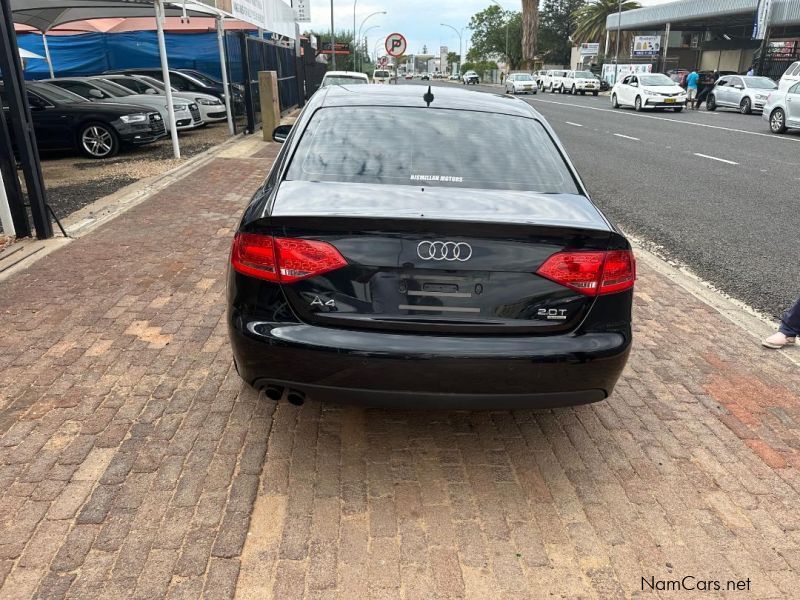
(553,80)
(580,81)
(790,76)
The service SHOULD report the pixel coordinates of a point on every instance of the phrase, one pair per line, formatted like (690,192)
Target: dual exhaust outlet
(275,392)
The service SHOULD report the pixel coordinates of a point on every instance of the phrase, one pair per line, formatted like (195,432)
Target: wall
(723,60)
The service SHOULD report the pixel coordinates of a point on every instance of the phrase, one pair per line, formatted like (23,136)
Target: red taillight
(283,259)
(593,272)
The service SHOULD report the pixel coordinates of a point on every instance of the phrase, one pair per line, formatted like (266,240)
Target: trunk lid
(412,267)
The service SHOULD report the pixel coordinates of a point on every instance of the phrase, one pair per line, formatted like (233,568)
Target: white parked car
(520,83)
(187,114)
(744,93)
(648,90)
(553,80)
(212,109)
(782,109)
(343,78)
(581,81)
(790,76)
(381,76)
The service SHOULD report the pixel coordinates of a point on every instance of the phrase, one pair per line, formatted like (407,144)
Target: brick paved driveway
(134,463)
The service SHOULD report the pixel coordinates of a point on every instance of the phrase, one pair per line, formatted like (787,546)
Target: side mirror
(97,94)
(150,91)
(281,132)
(35,103)
(739,87)
(635,84)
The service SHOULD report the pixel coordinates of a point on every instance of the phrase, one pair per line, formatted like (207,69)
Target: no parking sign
(396,44)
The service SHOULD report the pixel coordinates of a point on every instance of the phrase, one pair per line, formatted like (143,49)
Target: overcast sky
(418,20)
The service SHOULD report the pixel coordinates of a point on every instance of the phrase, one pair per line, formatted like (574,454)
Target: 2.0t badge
(451,251)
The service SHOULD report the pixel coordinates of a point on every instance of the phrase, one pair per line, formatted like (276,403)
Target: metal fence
(777,60)
(246,57)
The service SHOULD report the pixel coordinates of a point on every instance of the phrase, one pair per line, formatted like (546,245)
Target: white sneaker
(777,341)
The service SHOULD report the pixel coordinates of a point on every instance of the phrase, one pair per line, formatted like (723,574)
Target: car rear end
(381,76)
(372,276)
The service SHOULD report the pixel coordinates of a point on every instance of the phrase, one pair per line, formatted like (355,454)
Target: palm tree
(530,28)
(591,19)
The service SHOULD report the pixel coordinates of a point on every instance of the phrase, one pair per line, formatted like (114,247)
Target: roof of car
(412,95)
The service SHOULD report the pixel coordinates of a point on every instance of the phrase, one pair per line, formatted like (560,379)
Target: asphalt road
(715,191)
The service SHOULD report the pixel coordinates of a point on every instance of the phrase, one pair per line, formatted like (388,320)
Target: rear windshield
(381,74)
(344,80)
(452,148)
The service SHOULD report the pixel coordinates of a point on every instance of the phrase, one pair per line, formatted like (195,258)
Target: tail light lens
(283,260)
(593,273)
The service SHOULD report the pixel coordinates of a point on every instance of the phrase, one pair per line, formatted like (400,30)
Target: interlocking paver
(134,462)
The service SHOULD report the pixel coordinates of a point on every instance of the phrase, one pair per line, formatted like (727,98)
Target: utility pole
(616,54)
(333,40)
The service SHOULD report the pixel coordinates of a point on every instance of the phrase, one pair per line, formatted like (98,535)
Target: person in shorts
(691,89)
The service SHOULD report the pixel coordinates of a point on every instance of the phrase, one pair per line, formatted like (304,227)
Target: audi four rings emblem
(460,251)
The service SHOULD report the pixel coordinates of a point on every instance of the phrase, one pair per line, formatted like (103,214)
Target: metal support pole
(224,65)
(608,35)
(19,114)
(10,189)
(619,30)
(666,45)
(47,55)
(162,51)
(333,40)
(5,211)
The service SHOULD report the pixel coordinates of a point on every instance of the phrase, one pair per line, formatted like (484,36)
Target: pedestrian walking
(691,89)
(750,72)
(788,331)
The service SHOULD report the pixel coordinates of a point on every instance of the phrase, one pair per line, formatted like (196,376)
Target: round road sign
(396,44)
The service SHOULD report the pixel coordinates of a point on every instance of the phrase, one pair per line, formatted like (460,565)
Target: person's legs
(690,97)
(790,322)
(788,331)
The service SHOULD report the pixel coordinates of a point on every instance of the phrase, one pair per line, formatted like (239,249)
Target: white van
(790,77)
(381,76)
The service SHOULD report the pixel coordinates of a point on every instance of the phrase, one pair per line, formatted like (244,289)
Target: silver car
(520,83)
(745,93)
(782,109)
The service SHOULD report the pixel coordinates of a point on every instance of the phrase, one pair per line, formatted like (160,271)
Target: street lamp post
(508,22)
(619,30)
(366,43)
(358,37)
(460,43)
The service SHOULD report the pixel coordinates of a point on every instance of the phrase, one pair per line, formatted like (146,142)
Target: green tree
(481,67)
(557,21)
(489,35)
(452,57)
(591,19)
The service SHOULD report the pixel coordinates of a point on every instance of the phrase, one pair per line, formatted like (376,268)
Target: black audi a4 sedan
(423,249)
(64,121)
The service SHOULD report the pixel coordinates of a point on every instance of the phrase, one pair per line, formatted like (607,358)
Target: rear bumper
(401,370)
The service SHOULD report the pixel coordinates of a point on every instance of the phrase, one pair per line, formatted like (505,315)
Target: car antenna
(428,96)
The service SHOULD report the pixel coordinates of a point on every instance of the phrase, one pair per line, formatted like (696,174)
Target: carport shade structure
(46,14)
